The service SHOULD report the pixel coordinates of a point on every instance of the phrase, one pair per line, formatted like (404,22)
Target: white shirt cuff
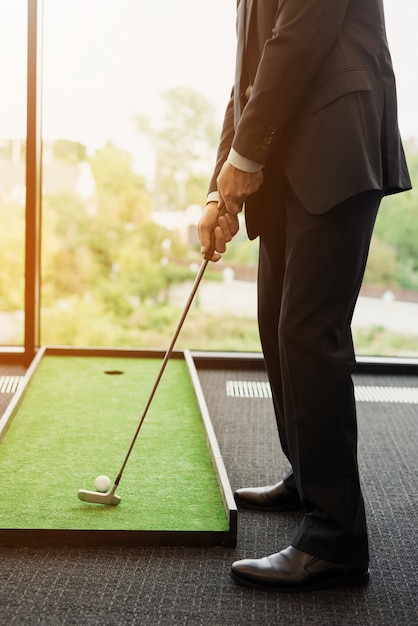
(213,196)
(242,163)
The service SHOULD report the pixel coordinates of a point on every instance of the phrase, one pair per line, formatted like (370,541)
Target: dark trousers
(310,272)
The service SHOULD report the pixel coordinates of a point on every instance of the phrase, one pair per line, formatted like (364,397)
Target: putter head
(97,497)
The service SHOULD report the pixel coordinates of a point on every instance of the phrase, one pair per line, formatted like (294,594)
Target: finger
(213,250)
(216,245)
(220,240)
(212,240)
(233,224)
(225,224)
(205,235)
(235,227)
(232,206)
(205,243)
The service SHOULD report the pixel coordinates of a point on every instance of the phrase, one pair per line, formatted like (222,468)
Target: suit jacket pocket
(338,85)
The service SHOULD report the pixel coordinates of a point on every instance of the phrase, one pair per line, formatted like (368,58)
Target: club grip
(211,250)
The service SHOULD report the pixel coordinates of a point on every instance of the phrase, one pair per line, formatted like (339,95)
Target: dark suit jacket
(322,101)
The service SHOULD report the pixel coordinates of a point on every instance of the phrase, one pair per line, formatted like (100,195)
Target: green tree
(184,144)
(70,152)
(12,237)
(121,193)
(106,257)
(395,247)
(382,265)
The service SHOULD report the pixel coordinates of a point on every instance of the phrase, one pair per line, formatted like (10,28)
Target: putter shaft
(110,497)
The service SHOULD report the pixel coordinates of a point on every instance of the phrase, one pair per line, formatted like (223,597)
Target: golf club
(109,497)
(95,497)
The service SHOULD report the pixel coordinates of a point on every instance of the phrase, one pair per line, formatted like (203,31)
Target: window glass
(13,73)
(134,95)
(386,318)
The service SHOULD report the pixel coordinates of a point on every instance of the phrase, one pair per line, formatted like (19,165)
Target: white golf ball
(102,483)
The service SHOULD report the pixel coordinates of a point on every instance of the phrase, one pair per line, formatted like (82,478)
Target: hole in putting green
(114,372)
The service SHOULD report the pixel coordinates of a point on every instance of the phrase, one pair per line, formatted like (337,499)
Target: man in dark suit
(310,144)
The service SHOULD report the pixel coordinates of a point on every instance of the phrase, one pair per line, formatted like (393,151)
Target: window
(13,72)
(130,130)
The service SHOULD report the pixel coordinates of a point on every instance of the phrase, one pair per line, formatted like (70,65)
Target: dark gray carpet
(191,586)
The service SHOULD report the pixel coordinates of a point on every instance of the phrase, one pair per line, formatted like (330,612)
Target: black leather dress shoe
(294,570)
(274,498)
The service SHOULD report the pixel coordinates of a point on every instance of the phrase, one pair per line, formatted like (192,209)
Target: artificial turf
(76,422)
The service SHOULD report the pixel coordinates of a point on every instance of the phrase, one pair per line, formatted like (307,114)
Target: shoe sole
(355,581)
(270,509)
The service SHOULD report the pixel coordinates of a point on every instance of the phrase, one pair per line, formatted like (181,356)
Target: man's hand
(220,220)
(215,229)
(235,186)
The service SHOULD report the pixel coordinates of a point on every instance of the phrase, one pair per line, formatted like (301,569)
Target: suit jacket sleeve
(227,135)
(303,35)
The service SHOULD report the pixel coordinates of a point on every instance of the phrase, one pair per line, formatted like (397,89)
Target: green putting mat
(76,421)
